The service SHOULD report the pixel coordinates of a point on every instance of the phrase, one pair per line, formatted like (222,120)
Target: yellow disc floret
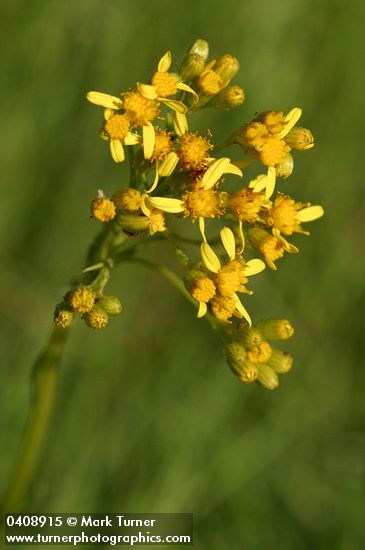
(103,209)
(210,82)
(139,110)
(222,307)
(117,127)
(202,289)
(164,83)
(163,144)
(273,151)
(81,299)
(194,151)
(96,318)
(284,215)
(202,203)
(246,205)
(274,121)
(253,134)
(129,200)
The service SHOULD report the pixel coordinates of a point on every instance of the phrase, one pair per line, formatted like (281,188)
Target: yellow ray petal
(202,228)
(169,164)
(311,213)
(242,310)
(291,119)
(148,132)
(116,150)
(148,91)
(210,258)
(155,181)
(186,88)
(253,267)
(242,237)
(233,169)
(165,62)
(174,104)
(104,100)
(228,242)
(270,183)
(131,139)
(180,123)
(146,211)
(202,309)
(172,206)
(108,113)
(259,183)
(214,172)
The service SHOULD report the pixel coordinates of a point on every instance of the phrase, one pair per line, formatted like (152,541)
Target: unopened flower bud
(228,98)
(63,316)
(236,359)
(267,377)
(280,361)
(236,353)
(96,318)
(192,66)
(200,47)
(129,200)
(103,209)
(111,304)
(275,329)
(250,337)
(285,168)
(300,139)
(132,223)
(227,67)
(81,299)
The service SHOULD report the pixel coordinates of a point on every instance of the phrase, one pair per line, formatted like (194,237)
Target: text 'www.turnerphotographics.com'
(110,529)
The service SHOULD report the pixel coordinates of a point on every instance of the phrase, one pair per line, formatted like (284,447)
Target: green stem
(44,381)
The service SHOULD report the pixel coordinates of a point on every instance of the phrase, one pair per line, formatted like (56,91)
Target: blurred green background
(148,417)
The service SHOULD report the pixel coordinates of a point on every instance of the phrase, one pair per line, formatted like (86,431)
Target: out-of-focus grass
(148,417)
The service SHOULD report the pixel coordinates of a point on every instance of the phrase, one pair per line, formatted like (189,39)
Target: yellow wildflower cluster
(178,173)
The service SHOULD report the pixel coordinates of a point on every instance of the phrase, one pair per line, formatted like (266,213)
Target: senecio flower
(177,174)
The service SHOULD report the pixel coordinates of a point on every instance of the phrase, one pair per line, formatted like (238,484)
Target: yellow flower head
(200,285)
(223,307)
(163,145)
(202,203)
(156,222)
(81,299)
(273,151)
(96,318)
(272,247)
(129,200)
(117,127)
(164,83)
(246,205)
(209,82)
(139,110)
(286,215)
(103,209)
(194,151)
(253,134)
